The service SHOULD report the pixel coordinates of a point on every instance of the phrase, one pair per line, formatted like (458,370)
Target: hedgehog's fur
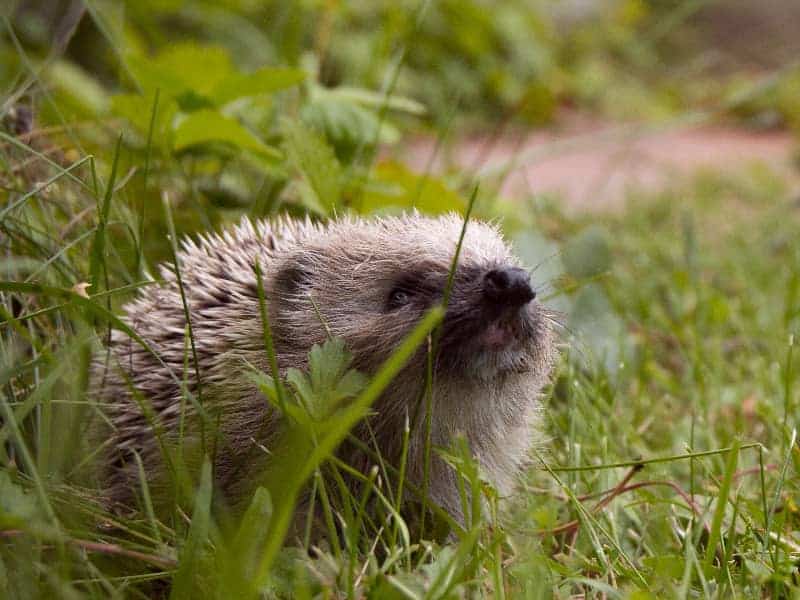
(349,268)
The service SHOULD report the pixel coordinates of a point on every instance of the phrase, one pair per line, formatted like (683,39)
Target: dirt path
(591,166)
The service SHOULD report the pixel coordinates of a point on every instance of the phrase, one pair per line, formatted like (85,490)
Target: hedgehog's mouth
(493,327)
(505,345)
(490,346)
(499,336)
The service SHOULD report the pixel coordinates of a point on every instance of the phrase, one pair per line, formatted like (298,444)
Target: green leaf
(377,100)
(599,331)
(330,380)
(317,163)
(294,411)
(263,81)
(538,254)
(402,188)
(285,478)
(182,67)
(667,566)
(239,560)
(346,124)
(206,126)
(588,254)
(17,508)
(183,584)
(138,109)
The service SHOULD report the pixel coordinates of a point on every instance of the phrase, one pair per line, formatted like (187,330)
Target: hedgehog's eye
(398,298)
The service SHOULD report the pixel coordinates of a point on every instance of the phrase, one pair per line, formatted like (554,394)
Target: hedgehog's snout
(508,287)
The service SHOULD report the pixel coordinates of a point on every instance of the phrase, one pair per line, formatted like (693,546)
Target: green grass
(671,466)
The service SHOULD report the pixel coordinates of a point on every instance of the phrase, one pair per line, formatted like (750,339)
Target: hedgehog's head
(370,283)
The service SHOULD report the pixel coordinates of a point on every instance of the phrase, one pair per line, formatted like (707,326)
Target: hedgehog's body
(371,282)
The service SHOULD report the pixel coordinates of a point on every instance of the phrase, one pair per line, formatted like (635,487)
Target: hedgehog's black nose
(509,286)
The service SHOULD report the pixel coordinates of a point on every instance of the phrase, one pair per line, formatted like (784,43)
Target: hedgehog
(365,281)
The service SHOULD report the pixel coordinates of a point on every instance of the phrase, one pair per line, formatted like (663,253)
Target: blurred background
(526,92)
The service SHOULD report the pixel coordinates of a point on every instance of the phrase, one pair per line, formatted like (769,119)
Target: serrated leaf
(351,383)
(262,81)
(346,124)
(377,100)
(266,385)
(316,161)
(327,363)
(327,384)
(206,126)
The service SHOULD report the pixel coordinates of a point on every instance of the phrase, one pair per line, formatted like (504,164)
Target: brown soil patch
(594,166)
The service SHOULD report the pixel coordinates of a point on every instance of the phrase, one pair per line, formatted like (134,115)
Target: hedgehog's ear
(292,279)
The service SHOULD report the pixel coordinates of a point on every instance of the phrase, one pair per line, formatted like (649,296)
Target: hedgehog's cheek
(296,338)
(369,346)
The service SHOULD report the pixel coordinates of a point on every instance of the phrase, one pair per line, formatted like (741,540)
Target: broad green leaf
(599,331)
(543,259)
(588,254)
(239,560)
(137,109)
(263,81)
(182,67)
(315,160)
(538,254)
(206,126)
(402,188)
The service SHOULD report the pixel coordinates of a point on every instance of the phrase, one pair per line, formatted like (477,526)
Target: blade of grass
(777,495)
(187,315)
(191,555)
(268,342)
(145,177)
(42,186)
(652,461)
(429,373)
(97,252)
(719,510)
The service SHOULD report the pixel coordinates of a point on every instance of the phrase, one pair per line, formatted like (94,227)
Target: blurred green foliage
(522,59)
(226,104)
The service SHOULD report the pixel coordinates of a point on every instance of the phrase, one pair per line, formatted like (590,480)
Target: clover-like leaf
(329,381)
